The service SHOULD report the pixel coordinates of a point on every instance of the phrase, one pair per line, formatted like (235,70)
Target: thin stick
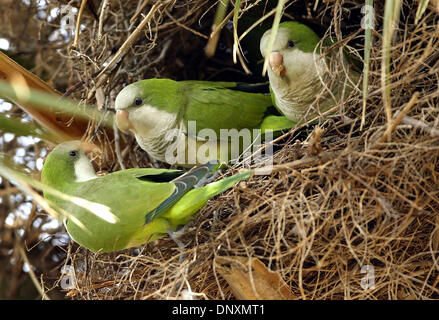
(78,23)
(117,146)
(133,36)
(235,29)
(212,43)
(9,191)
(398,118)
(142,6)
(101,19)
(32,274)
(367,48)
(391,16)
(254,25)
(222,24)
(304,162)
(421,125)
(274,28)
(236,47)
(185,26)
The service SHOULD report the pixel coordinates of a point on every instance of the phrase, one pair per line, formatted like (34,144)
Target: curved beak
(276,62)
(122,120)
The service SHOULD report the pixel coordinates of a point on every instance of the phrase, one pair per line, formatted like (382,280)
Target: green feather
(183,183)
(297,75)
(129,195)
(214,105)
(217,106)
(304,37)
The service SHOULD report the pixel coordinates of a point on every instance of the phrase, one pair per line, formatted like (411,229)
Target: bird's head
(68,163)
(292,52)
(141,105)
(129,99)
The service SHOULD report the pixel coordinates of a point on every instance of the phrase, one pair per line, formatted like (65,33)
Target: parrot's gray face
(135,115)
(71,157)
(83,168)
(127,98)
(286,61)
(132,111)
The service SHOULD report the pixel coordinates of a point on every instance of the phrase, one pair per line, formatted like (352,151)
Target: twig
(8,191)
(397,120)
(139,11)
(133,36)
(117,146)
(32,274)
(78,23)
(185,26)
(256,23)
(304,162)
(391,17)
(236,46)
(274,29)
(222,24)
(421,125)
(214,36)
(367,49)
(101,19)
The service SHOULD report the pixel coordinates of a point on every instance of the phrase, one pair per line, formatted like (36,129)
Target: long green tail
(195,199)
(217,187)
(183,184)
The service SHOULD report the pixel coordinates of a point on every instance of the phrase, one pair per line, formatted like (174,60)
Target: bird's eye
(138,101)
(73,154)
(291,44)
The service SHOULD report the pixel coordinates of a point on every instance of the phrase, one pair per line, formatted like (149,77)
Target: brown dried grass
(333,205)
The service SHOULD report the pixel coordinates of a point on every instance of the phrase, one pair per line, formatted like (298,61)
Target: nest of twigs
(345,197)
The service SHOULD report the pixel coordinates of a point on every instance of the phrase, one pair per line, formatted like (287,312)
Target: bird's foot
(175,235)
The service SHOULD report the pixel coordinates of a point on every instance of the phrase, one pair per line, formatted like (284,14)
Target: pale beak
(122,120)
(276,62)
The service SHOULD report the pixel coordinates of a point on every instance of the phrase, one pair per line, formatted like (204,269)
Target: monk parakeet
(297,72)
(144,203)
(186,120)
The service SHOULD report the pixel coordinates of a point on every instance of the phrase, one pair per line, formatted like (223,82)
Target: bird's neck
(62,176)
(84,170)
(155,130)
(295,94)
(303,95)
(157,146)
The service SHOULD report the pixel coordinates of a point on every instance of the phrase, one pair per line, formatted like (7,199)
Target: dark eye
(291,44)
(73,154)
(138,101)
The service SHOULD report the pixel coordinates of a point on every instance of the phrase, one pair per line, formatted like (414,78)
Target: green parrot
(145,203)
(297,72)
(189,121)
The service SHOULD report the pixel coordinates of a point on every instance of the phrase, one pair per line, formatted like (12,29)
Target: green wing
(129,195)
(183,184)
(223,105)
